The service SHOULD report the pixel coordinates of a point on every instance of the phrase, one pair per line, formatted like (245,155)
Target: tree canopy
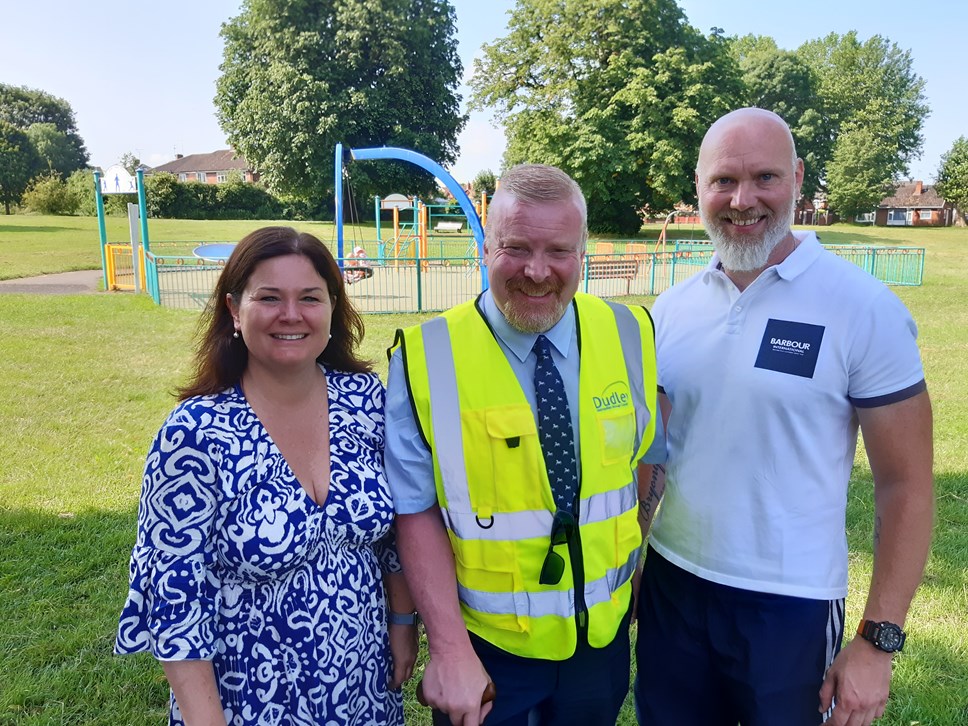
(869,91)
(18,163)
(486,182)
(130,162)
(299,76)
(857,175)
(56,153)
(953,175)
(59,144)
(616,92)
(779,81)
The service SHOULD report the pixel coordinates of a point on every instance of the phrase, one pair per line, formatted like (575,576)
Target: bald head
(747,127)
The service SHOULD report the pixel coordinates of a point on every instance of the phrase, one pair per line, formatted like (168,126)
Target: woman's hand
(403,650)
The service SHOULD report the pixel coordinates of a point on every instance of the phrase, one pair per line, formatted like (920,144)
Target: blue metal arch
(392,152)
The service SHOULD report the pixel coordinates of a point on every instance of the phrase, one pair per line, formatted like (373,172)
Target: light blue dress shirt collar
(520,343)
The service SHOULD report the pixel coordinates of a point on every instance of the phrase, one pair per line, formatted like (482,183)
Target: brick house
(212,168)
(914,204)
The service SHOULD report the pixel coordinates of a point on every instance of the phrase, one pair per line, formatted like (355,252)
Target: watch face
(889,638)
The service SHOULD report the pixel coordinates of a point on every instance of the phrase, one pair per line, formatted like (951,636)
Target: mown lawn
(86,380)
(38,245)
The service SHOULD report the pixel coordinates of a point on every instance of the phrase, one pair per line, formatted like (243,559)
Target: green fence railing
(433,284)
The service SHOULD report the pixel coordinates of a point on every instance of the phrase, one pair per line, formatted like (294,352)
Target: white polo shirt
(763,385)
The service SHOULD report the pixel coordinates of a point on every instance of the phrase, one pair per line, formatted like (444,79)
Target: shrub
(81,186)
(238,200)
(299,208)
(164,196)
(49,194)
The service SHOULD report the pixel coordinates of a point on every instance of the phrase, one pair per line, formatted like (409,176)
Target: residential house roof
(222,160)
(913,195)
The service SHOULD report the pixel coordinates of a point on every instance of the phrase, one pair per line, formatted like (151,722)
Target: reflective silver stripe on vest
(537,523)
(630,335)
(501,526)
(445,413)
(606,505)
(554,602)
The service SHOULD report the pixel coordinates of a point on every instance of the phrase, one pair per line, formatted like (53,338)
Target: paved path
(63,283)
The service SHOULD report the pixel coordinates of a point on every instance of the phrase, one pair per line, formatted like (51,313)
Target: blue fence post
(380,247)
(101,228)
(585,274)
(151,275)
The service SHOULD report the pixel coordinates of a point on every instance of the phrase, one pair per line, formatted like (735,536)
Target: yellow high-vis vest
(493,488)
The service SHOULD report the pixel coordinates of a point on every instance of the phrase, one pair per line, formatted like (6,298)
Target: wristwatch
(403,618)
(884,636)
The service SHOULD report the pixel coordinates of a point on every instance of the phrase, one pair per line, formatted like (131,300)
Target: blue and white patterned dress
(235,563)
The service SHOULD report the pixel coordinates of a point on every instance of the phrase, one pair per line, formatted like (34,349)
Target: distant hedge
(167,197)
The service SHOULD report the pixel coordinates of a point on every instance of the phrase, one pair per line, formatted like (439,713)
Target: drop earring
(236,334)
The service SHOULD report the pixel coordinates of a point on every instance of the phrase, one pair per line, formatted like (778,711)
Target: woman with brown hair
(265,516)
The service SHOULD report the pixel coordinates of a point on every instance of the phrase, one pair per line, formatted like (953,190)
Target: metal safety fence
(433,284)
(121,268)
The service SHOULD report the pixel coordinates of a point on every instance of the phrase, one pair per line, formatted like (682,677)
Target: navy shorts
(713,655)
(587,689)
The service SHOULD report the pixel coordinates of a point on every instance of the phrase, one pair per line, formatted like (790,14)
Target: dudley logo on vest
(615,395)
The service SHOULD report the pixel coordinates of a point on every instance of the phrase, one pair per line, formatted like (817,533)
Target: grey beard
(746,256)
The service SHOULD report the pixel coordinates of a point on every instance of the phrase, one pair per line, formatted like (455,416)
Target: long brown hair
(220,359)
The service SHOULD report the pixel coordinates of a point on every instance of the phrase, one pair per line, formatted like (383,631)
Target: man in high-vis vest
(515,427)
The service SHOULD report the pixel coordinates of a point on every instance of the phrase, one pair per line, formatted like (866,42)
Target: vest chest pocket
(516,460)
(616,430)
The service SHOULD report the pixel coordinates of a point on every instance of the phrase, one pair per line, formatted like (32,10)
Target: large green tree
(953,175)
(868,85)
(616,92)
(857,175)
(27,107)
(778,80)
(56,152)
(18,163)
(298,76)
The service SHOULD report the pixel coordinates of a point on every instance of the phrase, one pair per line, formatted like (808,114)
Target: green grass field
(85,382)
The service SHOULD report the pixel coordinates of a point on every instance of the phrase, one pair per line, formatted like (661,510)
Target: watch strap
(870,630)
(403,618)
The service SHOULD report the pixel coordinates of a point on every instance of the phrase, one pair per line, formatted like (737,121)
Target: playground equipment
(404,233)
(428,224)
(114,267)
(214,252)
(391,152)
(691,218)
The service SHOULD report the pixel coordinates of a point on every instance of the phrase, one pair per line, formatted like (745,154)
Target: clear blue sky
(141,76)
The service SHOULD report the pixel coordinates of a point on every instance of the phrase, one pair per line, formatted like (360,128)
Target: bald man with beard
(768,363)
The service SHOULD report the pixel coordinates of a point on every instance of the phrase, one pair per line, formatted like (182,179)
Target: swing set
(418,228)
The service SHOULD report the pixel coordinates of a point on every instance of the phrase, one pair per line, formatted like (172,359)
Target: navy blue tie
(554,428)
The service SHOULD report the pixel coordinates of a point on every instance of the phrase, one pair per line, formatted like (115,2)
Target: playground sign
(117,180)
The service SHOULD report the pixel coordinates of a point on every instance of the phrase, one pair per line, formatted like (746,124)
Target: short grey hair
(537,184)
